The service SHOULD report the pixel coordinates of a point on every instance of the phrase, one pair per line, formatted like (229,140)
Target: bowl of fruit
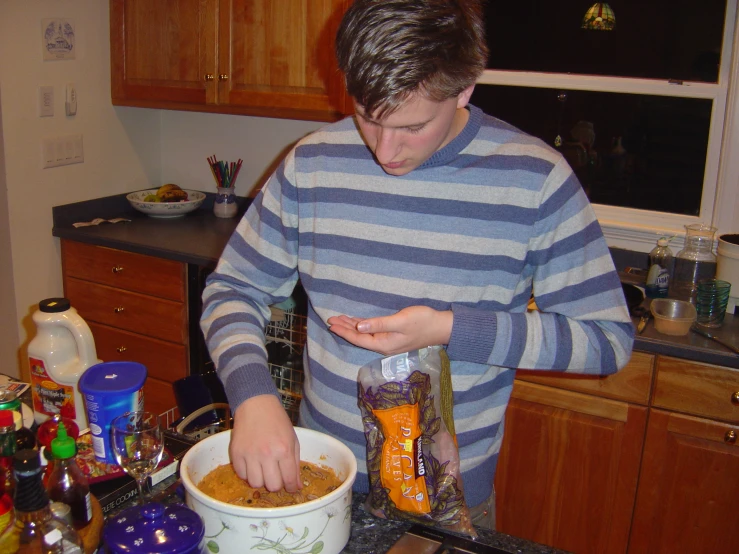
(167,201)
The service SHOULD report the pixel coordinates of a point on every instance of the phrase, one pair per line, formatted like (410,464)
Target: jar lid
(113,377)
(53,305)
(154,528)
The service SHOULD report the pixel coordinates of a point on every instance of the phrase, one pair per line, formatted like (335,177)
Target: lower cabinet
(568,468)
(136,308)
(645,461)
(688,498)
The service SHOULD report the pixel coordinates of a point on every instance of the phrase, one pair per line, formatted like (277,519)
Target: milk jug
(58,355)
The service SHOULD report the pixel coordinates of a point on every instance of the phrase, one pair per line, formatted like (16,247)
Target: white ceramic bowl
(231,528)
(165,209)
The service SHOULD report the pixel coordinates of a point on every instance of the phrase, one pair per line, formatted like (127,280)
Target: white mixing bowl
(230,528)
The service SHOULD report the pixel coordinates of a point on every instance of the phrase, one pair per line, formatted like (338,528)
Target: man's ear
(463,98)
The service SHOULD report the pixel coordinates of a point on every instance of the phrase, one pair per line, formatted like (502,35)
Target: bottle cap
(54,305)
(663,241)
(63,446)
(6,419)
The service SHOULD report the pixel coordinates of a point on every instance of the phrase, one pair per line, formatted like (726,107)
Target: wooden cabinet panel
(631,384)
(280,54)
(272,58)
(125,270)
(163,360)
(161,51)
(695,388)
(567,470)
(158,396)
(688,488)
(131,311)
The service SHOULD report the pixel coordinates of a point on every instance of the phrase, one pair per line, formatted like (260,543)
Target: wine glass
(138,446)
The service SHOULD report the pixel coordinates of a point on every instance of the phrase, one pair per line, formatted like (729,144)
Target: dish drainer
(287,331)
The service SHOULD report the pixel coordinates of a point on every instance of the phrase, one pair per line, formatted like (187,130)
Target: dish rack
(285,339)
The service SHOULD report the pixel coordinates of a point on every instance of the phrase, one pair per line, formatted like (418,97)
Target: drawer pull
(730,437)
(735,398)
(119,309)
(117,269)
(121,349)
(209,77)
(223,77)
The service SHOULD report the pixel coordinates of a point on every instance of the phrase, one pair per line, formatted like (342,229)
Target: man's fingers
(254,475)
(272,477)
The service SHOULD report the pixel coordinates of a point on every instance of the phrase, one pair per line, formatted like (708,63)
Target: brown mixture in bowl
(223,484)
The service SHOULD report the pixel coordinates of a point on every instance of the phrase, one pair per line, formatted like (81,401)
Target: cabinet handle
(209,77)
(119,309)
(730,437)
(121,349)
(735,398)
(117,269)
(223,77)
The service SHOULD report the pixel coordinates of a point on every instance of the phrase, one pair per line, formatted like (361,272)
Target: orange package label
(49,397)
(403,470)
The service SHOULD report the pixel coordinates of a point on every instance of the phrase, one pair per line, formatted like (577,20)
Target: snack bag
(412,455)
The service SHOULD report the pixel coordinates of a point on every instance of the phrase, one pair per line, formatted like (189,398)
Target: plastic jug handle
(82,337)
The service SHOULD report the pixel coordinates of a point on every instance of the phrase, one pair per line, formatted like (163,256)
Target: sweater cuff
(473,334)
(248,381)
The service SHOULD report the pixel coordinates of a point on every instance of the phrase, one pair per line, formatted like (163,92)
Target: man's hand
(264,448)
(410,328)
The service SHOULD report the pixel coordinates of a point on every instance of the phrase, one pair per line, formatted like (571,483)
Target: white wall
(188,138)
(121,148)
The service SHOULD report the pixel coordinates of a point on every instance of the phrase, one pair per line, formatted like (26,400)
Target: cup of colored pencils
(225,175)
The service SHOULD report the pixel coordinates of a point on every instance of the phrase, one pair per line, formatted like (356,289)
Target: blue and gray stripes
(488,220)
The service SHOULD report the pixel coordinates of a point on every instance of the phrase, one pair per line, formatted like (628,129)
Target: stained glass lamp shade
(599,17)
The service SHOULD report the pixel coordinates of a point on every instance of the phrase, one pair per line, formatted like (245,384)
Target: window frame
(638,230)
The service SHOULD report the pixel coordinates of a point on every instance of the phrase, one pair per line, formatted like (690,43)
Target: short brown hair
(389,49)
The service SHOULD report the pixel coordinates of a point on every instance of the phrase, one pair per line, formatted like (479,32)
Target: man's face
(409,136)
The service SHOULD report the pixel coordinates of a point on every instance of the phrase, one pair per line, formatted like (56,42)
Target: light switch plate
(61,150)
(46,101)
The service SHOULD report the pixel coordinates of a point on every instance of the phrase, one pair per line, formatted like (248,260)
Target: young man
(419,221)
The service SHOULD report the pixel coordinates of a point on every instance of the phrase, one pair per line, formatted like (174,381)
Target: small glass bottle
(660,267)
(7,450)
(66,482)
(695,262)
(38,530)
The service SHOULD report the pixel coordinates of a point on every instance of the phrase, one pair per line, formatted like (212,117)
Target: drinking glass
(138,446)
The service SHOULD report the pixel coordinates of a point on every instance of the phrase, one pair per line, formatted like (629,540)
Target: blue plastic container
(110,389)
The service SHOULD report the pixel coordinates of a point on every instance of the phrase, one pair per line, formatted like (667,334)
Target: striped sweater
(489,219)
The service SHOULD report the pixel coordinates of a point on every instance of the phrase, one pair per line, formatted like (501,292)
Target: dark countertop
(196,238)
(199,238)
(369,534)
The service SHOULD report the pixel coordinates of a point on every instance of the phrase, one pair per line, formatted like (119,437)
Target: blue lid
(118,377)
(155,529)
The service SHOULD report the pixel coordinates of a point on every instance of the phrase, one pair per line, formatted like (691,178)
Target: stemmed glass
(138,446)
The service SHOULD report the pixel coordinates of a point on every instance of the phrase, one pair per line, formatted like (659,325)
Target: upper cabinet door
(163,53)
(278,55)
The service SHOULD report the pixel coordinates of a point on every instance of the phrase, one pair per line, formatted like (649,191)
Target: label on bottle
(49,397)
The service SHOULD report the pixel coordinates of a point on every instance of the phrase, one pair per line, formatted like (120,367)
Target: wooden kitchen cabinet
(270,58)
(689,484)
(136,308)
(568,467)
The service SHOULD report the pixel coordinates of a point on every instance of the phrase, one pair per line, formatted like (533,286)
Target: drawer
(631,384)
(125,270)
(145,315)
(158,396)
(699,389)
(164,360)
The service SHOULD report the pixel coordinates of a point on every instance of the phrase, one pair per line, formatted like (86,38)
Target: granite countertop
(199,238)
(369,534)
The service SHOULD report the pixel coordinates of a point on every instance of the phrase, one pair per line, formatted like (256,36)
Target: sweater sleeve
(582,324)
(257,268)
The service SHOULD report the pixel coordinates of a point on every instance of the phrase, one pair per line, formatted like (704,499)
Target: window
(638,111)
